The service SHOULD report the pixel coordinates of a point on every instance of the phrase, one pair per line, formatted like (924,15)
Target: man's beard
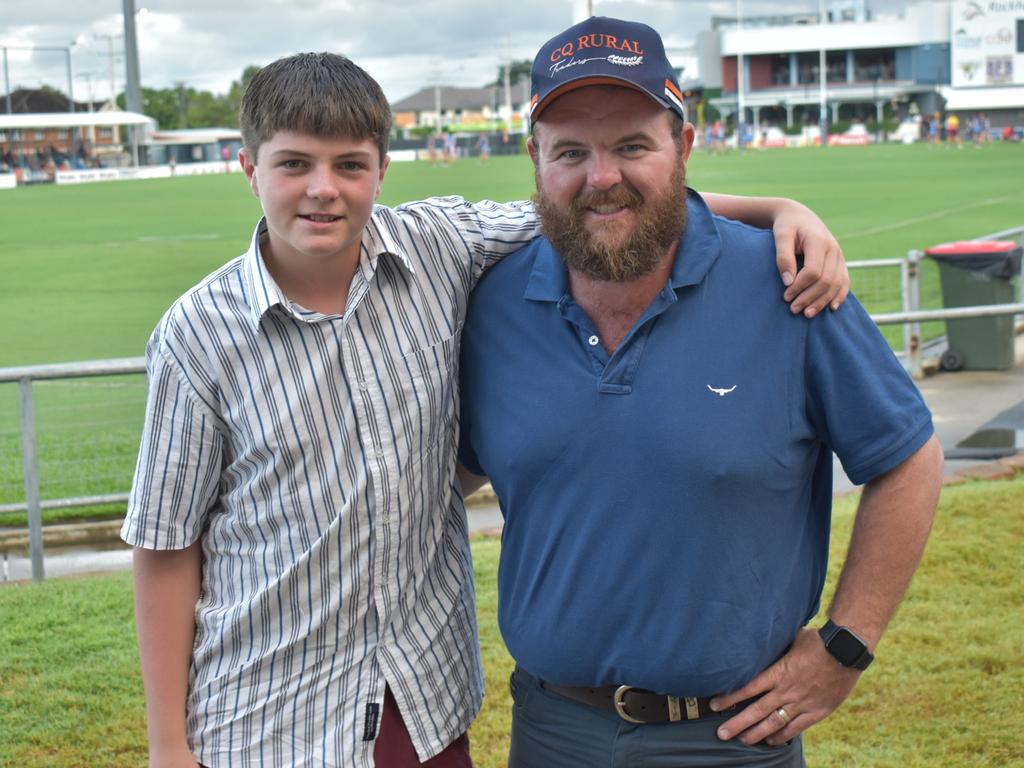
(657,229)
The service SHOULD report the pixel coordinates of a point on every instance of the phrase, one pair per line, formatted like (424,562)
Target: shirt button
(593,341)
(363,385)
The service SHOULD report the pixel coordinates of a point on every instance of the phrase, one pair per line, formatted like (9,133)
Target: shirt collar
(698,249)
(263,292)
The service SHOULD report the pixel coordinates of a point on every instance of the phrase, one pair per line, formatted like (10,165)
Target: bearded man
(659,430)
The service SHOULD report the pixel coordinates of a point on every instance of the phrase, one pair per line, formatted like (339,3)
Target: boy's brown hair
(318,94)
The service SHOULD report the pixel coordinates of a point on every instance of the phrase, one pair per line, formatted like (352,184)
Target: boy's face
(317,194)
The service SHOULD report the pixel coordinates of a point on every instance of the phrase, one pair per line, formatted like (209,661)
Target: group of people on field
(952,131)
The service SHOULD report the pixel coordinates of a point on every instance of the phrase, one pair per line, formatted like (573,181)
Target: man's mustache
(621,195)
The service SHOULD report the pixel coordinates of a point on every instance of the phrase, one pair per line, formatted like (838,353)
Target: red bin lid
(972,247)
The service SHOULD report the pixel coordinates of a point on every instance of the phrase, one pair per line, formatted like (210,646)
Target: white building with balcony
(939,56)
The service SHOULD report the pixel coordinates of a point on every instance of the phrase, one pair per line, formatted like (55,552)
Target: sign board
(987,45)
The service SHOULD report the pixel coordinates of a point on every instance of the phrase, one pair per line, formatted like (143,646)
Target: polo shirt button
(363,385)
(593,341)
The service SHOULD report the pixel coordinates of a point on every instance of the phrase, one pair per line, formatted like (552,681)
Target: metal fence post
(30,470)
(905,303)
(912,331)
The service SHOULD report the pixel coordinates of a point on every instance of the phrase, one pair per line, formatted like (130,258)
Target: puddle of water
(989,444)
(63,561)
(115,555)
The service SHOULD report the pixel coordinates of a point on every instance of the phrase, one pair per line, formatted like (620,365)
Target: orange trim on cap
(672,87)
(537,108)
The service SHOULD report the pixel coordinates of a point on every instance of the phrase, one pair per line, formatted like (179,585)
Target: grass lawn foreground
(947,688)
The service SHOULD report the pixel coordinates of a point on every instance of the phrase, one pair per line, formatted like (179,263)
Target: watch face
(845,646)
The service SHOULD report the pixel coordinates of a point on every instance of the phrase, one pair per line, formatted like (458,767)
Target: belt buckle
(675,712)
(620,705)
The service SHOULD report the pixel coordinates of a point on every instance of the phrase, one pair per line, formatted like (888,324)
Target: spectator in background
(483,148)
(953,131)
(934,130)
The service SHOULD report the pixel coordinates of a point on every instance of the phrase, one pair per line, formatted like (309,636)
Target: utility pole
(111,57)
(508,88)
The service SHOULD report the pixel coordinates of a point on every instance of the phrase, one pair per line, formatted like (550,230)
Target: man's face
(316,193)
(610,181)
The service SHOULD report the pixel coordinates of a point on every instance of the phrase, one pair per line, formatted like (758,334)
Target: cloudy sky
(405,44)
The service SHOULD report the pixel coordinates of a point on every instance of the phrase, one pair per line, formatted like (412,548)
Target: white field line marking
(165,239)
(176,238)
(925,217)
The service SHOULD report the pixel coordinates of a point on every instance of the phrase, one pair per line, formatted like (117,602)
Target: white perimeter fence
(80,450)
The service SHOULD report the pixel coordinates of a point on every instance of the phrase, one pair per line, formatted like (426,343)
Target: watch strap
(860,658)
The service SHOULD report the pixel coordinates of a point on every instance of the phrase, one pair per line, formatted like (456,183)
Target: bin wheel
(951,360)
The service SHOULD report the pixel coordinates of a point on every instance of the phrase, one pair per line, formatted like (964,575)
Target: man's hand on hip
(800,689)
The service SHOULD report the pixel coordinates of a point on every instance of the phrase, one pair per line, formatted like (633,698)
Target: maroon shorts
(394,748)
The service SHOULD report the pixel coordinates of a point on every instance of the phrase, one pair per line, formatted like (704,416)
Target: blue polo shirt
(667,508)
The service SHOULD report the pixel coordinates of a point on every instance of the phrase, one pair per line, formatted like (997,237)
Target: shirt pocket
(429,391)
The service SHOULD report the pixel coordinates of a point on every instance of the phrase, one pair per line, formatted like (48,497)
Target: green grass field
(89,269)
(946,690)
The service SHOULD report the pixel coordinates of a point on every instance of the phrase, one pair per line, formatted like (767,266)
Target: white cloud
(406,44)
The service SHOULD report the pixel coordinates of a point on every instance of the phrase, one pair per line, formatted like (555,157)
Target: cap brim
(582,82)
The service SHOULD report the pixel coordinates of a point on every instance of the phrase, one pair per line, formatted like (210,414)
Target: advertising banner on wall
(988,43)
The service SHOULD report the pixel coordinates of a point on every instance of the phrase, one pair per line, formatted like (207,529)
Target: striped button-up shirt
(314,456)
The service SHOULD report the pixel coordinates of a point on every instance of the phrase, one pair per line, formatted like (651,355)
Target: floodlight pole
(582,10)
(132,89)
(7,84)
(823,108)
(741,107)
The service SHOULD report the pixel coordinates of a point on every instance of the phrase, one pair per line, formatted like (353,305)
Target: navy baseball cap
(604,51)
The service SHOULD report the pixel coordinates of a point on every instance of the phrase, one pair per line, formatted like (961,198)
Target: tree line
(182,106)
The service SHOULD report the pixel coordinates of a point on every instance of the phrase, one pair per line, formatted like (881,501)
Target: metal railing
(25,376)
(911,316)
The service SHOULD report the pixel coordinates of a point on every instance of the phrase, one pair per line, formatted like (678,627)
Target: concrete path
(962,403)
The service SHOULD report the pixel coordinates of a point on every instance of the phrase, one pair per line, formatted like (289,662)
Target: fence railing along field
(69,432)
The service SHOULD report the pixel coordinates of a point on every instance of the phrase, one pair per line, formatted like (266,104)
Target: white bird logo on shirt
(721,392)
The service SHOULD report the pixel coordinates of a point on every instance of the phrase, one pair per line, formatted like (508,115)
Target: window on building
(780,69)
(62,133)
(807,68)
(17,135)
(106,133)
(874,65)
(1020,35)
(835,62)
(39,135)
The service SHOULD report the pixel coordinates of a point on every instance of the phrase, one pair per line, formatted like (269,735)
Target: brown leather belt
(636,705)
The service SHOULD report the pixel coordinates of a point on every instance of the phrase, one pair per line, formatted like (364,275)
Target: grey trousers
(550,731)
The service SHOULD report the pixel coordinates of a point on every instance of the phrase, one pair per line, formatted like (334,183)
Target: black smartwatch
(844,645)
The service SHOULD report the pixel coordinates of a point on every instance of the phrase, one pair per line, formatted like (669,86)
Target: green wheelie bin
(978,274)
